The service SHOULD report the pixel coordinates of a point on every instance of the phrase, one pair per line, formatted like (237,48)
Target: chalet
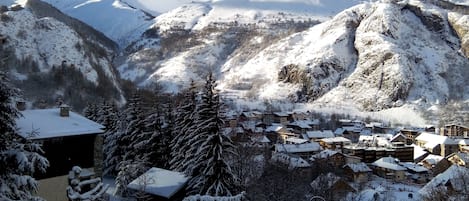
(254,116)
(68,139)
(410,133)
(329,157)
(160,184)
(291,161)
(453,180)
(316,136)
(419,153)
(376,127)
(389,168)
(379,140)
(463,145)
(357,172)
(417,173)
(431,160)
(301,126)
(454,130)
(281,118)
(304,150)
(334,186)
(437,144)
(349,132)
(399,137)
(278,133)
(334,143)
(459,158)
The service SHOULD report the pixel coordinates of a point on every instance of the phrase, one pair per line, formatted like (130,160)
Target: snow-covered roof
(414,167)
(291,161)
(274,128)
(463,142)
(49,124)
(435,139)
(398,135)
(161,182)
(300,123)
(462,156)
(281,114)
(358,167)
(320,181)
(455,174)
(388,163)
(323,154)
(432,159)
(418,151)
(298,148)
(296,140)
(320,134)
(336,140)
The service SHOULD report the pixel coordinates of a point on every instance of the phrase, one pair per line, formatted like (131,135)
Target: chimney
(21,105)
(64,110)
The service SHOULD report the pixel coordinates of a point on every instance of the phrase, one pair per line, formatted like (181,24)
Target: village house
(411,133)
(417,173)
(280,118)
(291,161)
(454,130)
(302,126)
(333,186)
(330,158)
(316,136)
(459,158)
(389,168)
(160,184)
(304,150)
(399,137)
(68,139)
(453,180)
(371,153)
(376,127)
(334,143)
(278,133)
(357,172)
(463,145)
(437,144)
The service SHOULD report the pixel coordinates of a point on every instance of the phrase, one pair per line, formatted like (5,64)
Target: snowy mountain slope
(117,19)
(374,55)
(36,46)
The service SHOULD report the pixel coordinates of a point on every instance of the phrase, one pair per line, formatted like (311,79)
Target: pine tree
(184,130)
(108,117)
(19,157)
(211,173)
(134,134)
(91,111)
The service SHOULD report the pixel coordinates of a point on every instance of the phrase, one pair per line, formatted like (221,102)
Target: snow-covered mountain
(39,42)
(374,55)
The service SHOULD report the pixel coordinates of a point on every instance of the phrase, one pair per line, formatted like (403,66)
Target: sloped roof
(414,167)
(323,154)
(161,182)
(296,140)
(291,161)
(49,124)
(320,134)
(454,174)
(433,159)
(389,163)
(298,148)
(358,167)
(435,139)
(335,139)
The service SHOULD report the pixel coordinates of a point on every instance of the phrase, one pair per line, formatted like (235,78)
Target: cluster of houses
(356,148)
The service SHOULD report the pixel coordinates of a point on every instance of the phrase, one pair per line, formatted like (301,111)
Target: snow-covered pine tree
(211,173)
(153,143)
(91,111)
(134,133)
(184,130)
(19,157)
(108,117)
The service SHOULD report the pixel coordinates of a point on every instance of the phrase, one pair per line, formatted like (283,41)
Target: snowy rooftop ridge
(161,182)
(49,124)
(388,163)
(358,167)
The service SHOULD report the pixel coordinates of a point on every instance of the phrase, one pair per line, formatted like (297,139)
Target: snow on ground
(387,190)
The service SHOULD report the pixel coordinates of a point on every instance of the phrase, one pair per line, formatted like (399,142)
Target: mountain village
(234,100)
